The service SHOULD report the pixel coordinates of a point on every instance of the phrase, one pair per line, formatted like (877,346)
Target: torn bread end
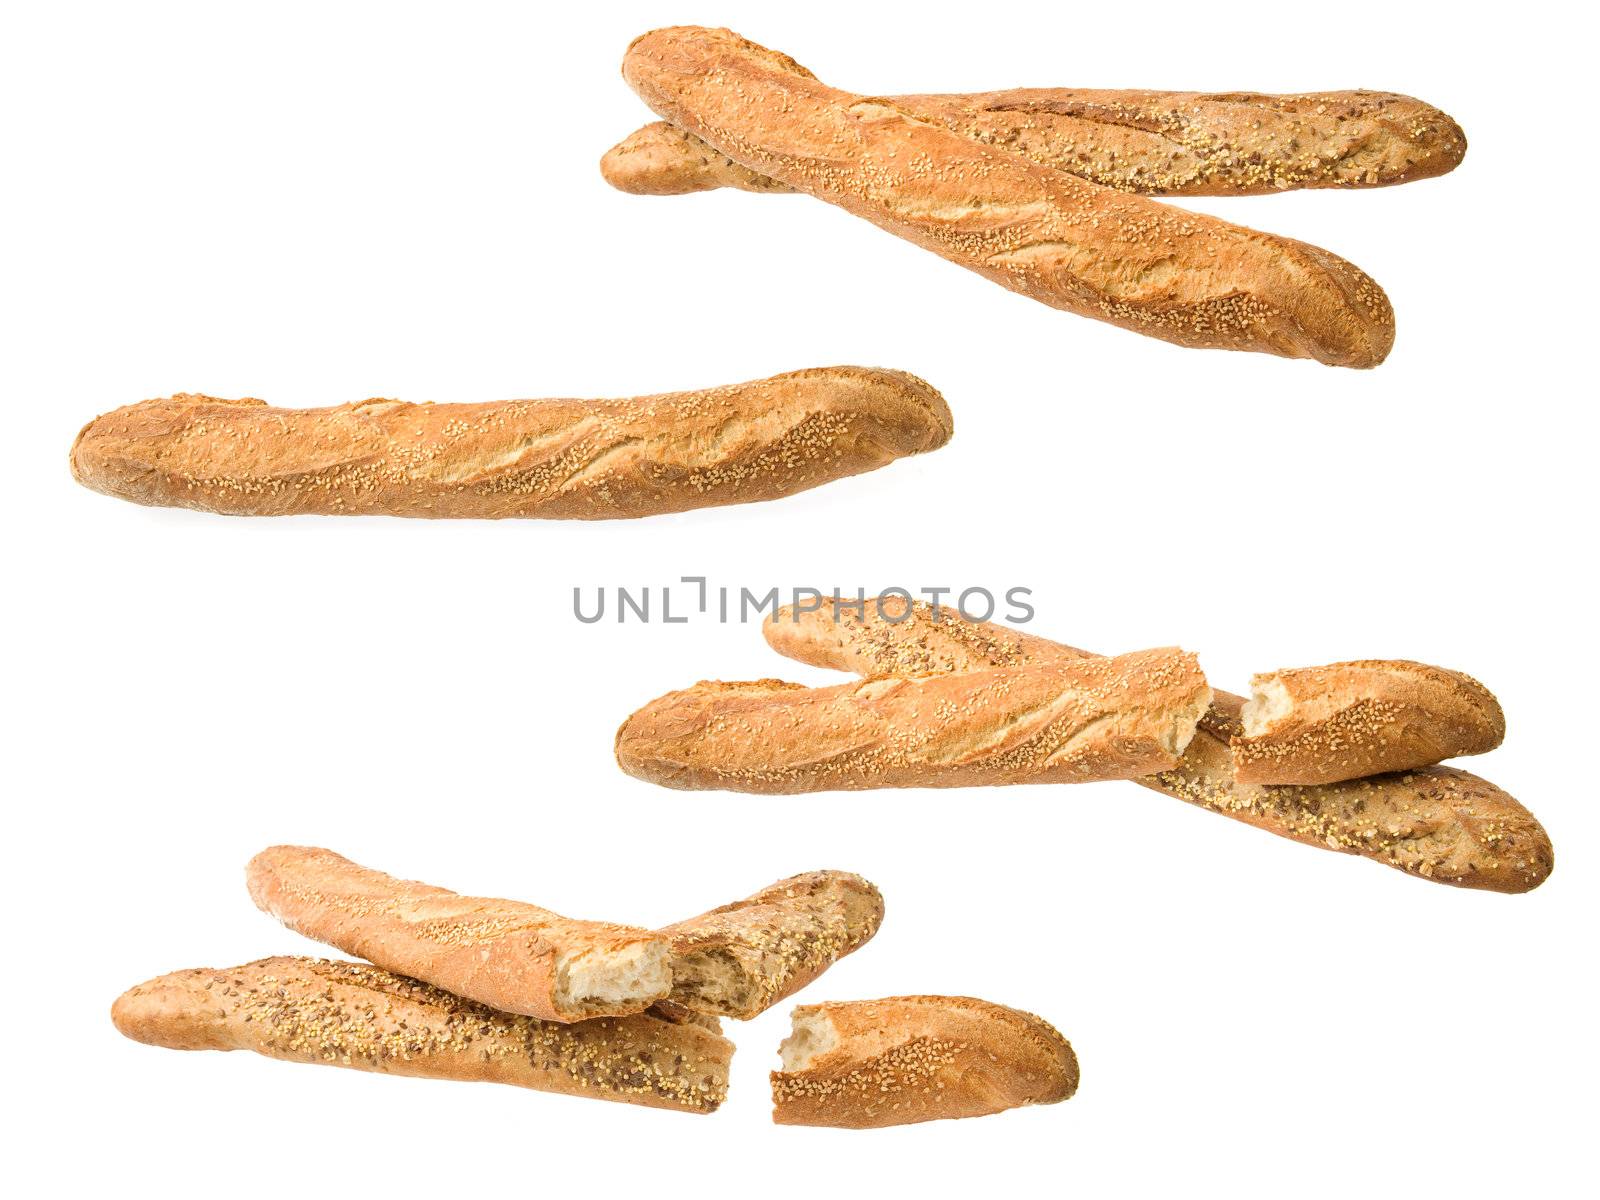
(1188,720)
(711,980)
(1269,703)
(814,1035)
(637,974)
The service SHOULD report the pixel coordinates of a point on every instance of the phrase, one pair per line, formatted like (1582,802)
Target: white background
(319,203)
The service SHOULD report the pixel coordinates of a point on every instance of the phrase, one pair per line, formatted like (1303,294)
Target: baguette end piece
(741,959)
(869,1064)
(1321,725)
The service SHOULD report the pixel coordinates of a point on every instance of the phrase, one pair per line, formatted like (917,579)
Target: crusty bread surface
(1061,722)
(867,1064)
(515,957)
(1313,725)
(577,459)
(1436,823)
(346,1014)
(740,959)
(1180,276)
(1155,143)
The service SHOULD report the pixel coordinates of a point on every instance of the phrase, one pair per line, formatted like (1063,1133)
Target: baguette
(1153,143)
(1184,277)
(515,957)
(1326,724)
(585,460)
(1436,823)
(345,1014)
(1068,722)
(873,1063)
(741,959)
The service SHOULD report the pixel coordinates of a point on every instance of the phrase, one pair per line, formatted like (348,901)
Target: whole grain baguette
(587,460)
(1436,823)
(345,1014)
(1067,722)
(1184,277)
(872,1063)
(1153,143)
(511,956)
(741,959)
(1316,725)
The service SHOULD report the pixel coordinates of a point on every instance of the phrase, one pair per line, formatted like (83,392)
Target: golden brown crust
(922,1058)
(578,459)
(1181,276)
(741,959)
(1353,719)
(511,956)
(345,1014)
(1068,722)
(663,160)
(1436,823)
(1153,143)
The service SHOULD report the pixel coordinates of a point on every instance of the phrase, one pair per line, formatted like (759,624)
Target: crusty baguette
(1185,277)
(345,1014)
(1153,143)
(741,959)
(512,956)
(871,1063)
(1436,823)
(519,458)
(1069,722)
(1316,725)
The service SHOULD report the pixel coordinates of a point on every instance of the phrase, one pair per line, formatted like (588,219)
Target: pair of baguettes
(1435,822)
(504,992)
(577,459)
(1055,236)
(463,987)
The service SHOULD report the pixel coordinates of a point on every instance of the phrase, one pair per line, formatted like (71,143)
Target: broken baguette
(345,1014)
(1436,823)
(741,959)
(1180,276)
(1069,722)
(1153,143)
(577,459)
(512,956)
(873,1063)
(1317,725)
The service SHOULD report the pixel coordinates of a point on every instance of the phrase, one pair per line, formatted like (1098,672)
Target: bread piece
(872,1063)
(1108,718)
(1325,724)
(1436,823)
(1181,276)
(1153,143)
(663,160)
(345,1014)
(741,959)
(511,956)
(586,460)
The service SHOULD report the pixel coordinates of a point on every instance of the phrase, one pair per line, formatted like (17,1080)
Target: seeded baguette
(1436,823)
(868,1064)
(345,1014)
(515,957)
(1314,725)
(1152,143)
(1067,722)
(575,459)
(741,959)
(1180,276)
